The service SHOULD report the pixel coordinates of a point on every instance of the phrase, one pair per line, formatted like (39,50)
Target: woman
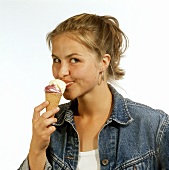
(98,128)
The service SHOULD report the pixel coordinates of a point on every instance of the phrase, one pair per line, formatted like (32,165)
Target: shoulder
(145,111)
(147,115)
(135,109)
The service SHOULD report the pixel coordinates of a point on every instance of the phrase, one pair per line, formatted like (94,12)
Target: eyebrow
(67,56)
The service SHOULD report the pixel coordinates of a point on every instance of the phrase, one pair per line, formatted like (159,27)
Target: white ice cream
(59,83)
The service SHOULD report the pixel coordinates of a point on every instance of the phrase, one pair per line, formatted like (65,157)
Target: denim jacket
(135,137)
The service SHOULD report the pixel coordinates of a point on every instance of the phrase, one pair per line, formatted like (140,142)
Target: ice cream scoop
(58,84)
(54,92)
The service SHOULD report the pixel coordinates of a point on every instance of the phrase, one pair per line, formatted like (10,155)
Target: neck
(97,103)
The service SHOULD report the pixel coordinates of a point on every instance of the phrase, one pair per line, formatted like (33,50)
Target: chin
(68,97)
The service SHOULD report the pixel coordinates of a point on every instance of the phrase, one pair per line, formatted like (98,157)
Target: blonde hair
(98,33)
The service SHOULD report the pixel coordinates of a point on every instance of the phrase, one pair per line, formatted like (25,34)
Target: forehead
(66,42)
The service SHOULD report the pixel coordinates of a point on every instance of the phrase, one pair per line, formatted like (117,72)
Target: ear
(105,61)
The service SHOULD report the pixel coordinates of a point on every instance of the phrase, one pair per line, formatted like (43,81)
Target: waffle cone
(53,99)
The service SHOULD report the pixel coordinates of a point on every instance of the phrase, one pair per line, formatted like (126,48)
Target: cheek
(54,71)
(89,74)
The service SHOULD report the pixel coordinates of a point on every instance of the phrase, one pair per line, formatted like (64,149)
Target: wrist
(37,160)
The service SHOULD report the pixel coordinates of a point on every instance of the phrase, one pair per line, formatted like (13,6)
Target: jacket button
(105,161)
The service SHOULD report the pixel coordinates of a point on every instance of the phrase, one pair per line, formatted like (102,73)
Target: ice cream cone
(53,99)
(54,92)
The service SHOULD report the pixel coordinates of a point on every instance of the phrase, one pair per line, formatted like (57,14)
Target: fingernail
(46,102)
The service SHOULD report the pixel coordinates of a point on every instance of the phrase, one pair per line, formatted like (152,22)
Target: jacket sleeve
(25,165)
(164,144)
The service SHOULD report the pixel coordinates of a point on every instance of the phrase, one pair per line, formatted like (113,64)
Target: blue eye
(56,60)
(74,60)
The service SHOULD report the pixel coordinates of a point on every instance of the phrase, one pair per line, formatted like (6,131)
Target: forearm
(37,160)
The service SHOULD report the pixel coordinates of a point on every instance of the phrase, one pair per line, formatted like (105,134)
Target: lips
(69,83)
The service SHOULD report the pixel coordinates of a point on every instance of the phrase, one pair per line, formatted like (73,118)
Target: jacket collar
(120,112)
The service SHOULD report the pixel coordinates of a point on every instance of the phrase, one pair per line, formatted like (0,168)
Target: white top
(89,160)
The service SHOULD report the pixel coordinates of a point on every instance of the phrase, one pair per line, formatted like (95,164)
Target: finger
(46,123)
(46,134)
(50,130)
(39,108)
(50,113)
(46,119)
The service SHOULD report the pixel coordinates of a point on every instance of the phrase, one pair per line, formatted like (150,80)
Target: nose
(63,70)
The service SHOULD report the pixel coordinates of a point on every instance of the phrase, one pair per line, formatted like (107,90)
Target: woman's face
(76,65)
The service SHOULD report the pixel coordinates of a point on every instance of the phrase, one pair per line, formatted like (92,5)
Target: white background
(25,63)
